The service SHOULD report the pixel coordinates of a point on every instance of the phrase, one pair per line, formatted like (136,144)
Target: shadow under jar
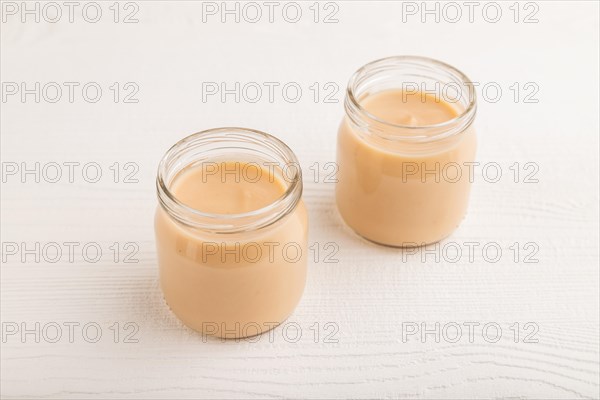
(231,231)
(405,151)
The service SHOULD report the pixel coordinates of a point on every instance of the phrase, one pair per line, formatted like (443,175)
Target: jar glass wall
(229,268)
(405,151)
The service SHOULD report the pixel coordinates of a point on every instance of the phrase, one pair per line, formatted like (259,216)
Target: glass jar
(402,182)
(232,275)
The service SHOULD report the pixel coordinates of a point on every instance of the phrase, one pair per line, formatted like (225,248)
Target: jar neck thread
(411,74)
(229,144)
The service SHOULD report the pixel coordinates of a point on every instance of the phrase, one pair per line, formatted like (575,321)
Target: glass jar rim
(464,118)
(236,222)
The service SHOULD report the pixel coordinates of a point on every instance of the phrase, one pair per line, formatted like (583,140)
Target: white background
(371,291)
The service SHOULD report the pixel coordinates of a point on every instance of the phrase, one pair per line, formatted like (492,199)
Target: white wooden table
(358,329)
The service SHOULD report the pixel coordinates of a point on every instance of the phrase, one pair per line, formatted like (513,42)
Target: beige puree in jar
(233,284)
(401,192)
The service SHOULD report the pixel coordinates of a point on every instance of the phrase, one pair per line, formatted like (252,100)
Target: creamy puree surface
(401,193)
(236,284)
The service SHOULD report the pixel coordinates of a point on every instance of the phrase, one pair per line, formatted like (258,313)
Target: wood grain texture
(348,337)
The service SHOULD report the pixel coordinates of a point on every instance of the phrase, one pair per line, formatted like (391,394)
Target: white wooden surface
(371,291)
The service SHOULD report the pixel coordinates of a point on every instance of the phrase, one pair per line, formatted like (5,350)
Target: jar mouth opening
(465,117)
(230,139)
